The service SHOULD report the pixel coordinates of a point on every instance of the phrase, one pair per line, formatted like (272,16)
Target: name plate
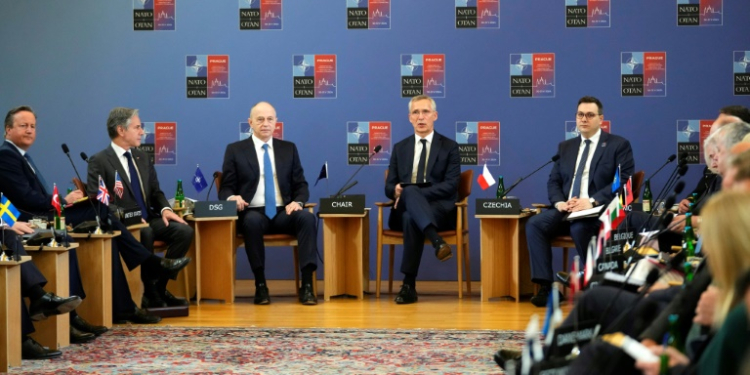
(131,216)
(347,204)
(498,206)
(215,209)
(565,338)
(609,263)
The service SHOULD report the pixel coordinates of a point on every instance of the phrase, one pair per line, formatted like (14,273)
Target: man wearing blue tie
(265,177)
(581,179)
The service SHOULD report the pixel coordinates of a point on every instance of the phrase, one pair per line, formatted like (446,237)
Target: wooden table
(53,263)
(504,256)
(214,254)
(346,247)
(95,260)
(10,313)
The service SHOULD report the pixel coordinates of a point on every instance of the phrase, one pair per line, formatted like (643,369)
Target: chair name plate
(347,204)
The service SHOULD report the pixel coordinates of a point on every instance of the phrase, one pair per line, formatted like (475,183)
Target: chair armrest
(310,205)
(463,203)
(384,204)
(540,206)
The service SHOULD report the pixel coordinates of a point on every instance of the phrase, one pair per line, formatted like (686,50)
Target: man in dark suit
(23,183)
(423,177)
(581,179)
(265,177)
(140,190)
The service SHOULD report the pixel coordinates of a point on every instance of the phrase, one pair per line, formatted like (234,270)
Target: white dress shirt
(259,199)
(417,152)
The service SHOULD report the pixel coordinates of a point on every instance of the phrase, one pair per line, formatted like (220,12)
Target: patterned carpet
(178,350)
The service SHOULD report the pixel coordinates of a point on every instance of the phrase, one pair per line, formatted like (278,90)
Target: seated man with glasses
(581,179)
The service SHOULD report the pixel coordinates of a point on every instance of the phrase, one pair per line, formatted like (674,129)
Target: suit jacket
(610,152)
(106,162)
(241,172)
(443,169)
(18,182)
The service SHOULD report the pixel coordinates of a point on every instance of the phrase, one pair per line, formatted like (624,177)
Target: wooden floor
(438,308)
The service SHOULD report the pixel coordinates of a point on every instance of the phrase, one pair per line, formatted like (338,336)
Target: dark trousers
(412,215)
(540,229)
(253,224)
(30,276)
(177,236)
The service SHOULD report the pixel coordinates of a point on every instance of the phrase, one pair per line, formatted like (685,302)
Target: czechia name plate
(346,204)
(510,206)
(215,209)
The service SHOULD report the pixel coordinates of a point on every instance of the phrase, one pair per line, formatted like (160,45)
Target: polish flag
(485,179)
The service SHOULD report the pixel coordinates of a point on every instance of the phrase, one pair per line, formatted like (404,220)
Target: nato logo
(741,67)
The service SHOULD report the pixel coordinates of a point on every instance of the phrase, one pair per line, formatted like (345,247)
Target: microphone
(669,160)
(347,186)
(216,174)
(668,203)
(84,157)
(66,150)
(552,160)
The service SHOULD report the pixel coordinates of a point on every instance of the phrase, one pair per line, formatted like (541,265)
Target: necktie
(579,171)
(270,188)
(422,161)
(135,186)
(37,172)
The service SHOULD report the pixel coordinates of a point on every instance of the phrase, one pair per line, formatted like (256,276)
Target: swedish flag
(8,213)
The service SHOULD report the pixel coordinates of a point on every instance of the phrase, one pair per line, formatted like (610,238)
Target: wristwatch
(593,202)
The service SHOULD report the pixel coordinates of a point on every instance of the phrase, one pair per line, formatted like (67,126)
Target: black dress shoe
(541,297)
(84,326)
(504,355)
(406,295)
(174,265)
(306,295)
(152,300)
(31,349)
(261,295)
(50,304)
(443,251)
(172,301)
(80,337)
(140,316)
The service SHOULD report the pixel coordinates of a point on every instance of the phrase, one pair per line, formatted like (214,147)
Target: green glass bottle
(675,339)
(179,196)
(500,188)
(647,197)
(689,272)
(688,236)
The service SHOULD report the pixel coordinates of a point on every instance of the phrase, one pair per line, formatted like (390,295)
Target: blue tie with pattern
(270,188)
(135,186)
(579,171)
(37,172)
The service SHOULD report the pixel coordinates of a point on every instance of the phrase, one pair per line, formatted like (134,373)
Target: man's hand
(169,215)
(704,312)
(73,196)
(241,204)
(22,228)
(291,207)
(397,194)
(678,224)
(562,206)
(684,205)
(576,204)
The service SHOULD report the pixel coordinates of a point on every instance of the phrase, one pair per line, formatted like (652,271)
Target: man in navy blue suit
(265,177)
(423,177)
(581,179)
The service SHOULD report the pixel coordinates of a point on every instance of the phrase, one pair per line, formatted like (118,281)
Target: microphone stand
(346,184)
(96,212)
(554,158)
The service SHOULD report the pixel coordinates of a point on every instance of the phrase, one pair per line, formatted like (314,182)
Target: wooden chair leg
(467,267)
(379,267)
(296,270)
(392,252)
(186,281)
(460,271)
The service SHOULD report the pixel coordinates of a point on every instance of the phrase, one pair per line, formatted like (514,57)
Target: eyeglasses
(424,112)
(588,115)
